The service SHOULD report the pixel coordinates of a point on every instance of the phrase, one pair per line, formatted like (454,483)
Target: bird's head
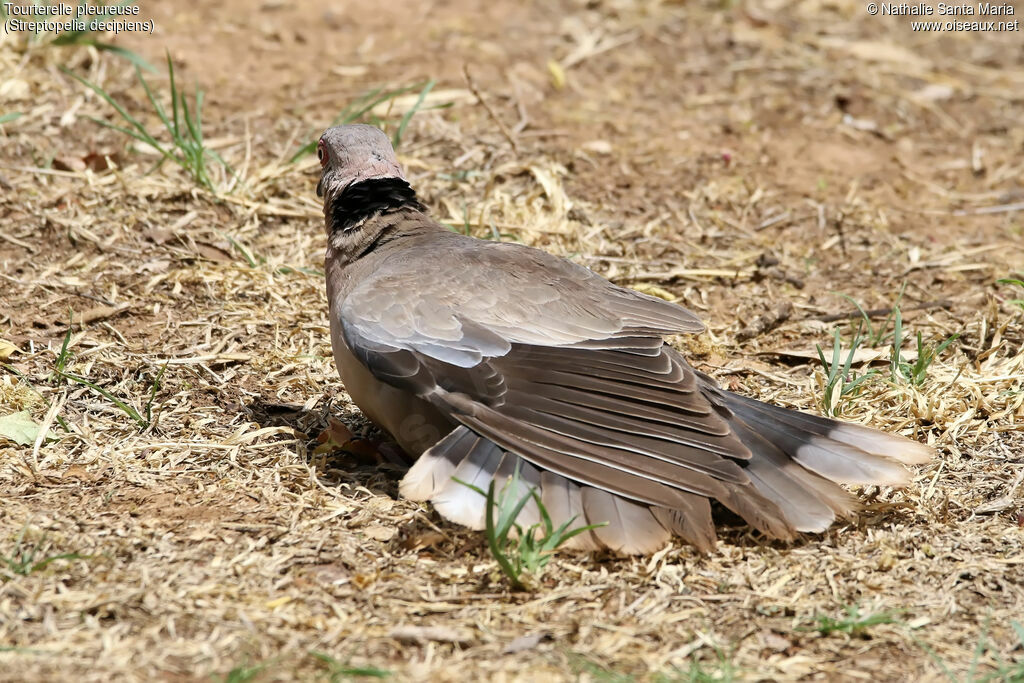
(351,154)
(360,180)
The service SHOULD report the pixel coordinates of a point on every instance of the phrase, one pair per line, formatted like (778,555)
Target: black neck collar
(368,198)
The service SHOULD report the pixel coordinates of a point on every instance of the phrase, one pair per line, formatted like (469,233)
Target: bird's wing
(558,366)
(474,300)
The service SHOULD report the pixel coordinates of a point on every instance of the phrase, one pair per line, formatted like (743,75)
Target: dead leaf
(77,472)
(212,252)
(997,505)
(7,349)
(422,634)
(101,161)
(155,266)
(363,581)
(557,74)
(72,164)
(95,161)
(866,125)
(363,448)
(601,147)
(19,428)
(14,89)
(654,290)
(100,313)
(380,533)
(860,356)
(878,51)
(435,98)
(420,540)
(1004,502)
(350,71)
(334,438)
(773,641)
(278,602)
(934,92)
(527,642)
(158,235)
(325,573)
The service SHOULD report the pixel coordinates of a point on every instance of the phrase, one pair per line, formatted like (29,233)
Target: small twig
(44,429)
(768,222)
(693,219)
(524,117)
(44,171)
(839,230)
(13,240)
(983,210)
(480,98)
(880,312)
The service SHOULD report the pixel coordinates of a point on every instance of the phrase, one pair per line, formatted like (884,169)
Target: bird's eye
(320,153)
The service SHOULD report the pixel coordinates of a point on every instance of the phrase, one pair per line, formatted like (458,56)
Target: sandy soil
(736,156)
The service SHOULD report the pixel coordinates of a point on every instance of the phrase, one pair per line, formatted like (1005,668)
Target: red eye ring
(321,153)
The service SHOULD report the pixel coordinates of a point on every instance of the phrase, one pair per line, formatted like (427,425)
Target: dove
(493,361)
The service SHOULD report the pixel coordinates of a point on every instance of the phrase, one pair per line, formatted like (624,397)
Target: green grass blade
(507,514)
(152,393)
(895,365)
(497,551)
(174,129)
(196,125)
(472,487)
(62,357)
(850,387)
(249,258)
(821,357)
(850,356)
(545,518)
(111,101)
(372,103)
(154,101)
(127,409)
(396,139)
(132,57)
(42,564)
(562,534)
(837,348)
(1019,630)
(355,111)
(894,313)
(185,129)
(338,670)
(166,156)
(944,345)
(190,126)
(864,316)
(72,38)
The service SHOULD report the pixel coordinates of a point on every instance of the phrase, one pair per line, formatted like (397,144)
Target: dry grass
(734,158)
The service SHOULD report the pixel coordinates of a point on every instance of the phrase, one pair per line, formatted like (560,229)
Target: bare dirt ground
(734,155)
